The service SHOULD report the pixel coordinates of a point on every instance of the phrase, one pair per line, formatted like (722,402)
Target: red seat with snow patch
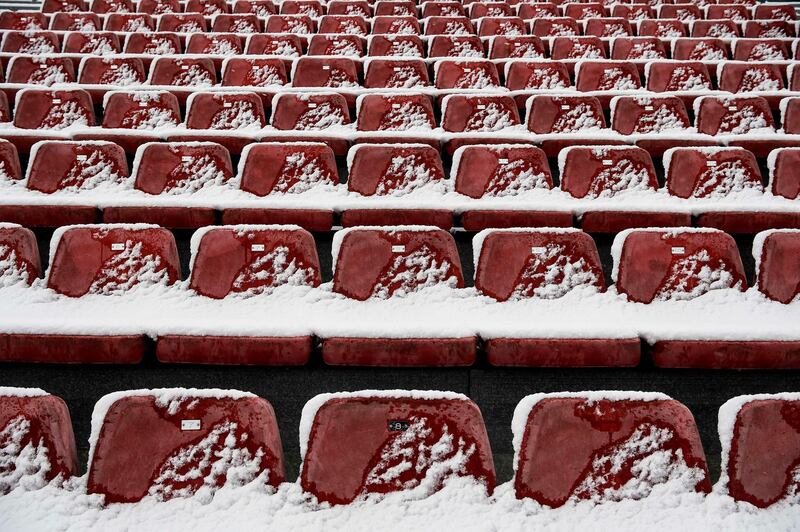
(260,8)
(555,27)
(395,45)
(96,43)
(465,74)
(23,20)
(777,254)
(608,27)
(579,47)
(280,45)
(236,23)
(75,22)
(532,11)
(386,262)
(754,29)
(395,8)
(734,115)
(784,179)
(74,166)
(66,6)
(394,170)
(489,171)
(19,256)
(673,76)
(718,29)
(129,22)
(214,44)
(347,45)
(597,446)
(400,25)
(182,23)
(285,168)
(257,72)
(312,8)
(294,24)
(774,12)
(465,113)
(583,11)
(760,448)
(313,113)
(328,72)
(567,113)
(139,111)
(31,42)
(537,75)
(153,44)
(606,171)
(638,48)
(224,111)
(112,6)
(395,112)
(360,8)
(761,50)
(178,443)
(246,261)
(208,8)
(662,120)
(455,46)
(735,12)
(606,76)
(188,72)
(749,77)
(449,25)
(519,47)
(636,11)
(489,9)
(47,71)
(121,71)
(706,49)
(36,438)
(396,74)
(439,8)
(158,7)
(442,434)
(344,24)
(501,25)
(175,168)
(54,110)
(684,12)
(663,28)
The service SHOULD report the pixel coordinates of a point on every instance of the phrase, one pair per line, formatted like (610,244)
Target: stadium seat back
(73,166)
(286,167)
(500,170)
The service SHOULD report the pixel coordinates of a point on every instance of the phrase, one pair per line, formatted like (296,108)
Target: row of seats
(479,172)
(677,264)
(156,435)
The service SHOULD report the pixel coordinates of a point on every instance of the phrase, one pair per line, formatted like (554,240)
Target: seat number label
(607,162)
(190,424)
(186,158)
(711,163)
(678,250)
(502,161)
(398,249)
(257,247)
(397,425)
(536,250)
(117,246)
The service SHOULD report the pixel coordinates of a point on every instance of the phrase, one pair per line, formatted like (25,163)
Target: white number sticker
(117,246)
(257,247)
(678,250)
(190,424)
(536,250)
(398,249)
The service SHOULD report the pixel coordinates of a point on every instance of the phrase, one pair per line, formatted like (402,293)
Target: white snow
(12,391)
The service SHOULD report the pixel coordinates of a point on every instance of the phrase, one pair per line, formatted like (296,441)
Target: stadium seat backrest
(606,76)
(311,8)
(182,23)
(224,111)
(564,113)
(309,111)
(281,45)
(784,179)
(395,8)
(671,76)
(777,256)
(96,43)
(532,11)
(608,27)
(754,29)
(121,71)
(260,8)
(296,24)
(392,169)
(112,6)
(449,25)
(732,115)
(589,446)
(240,23)
(253,72)
(30,42)
(440,8)
(499,170)
(396,25)
(188,72)
(327,72)
(251,260)
(465,74)
(56,109)
(722,29)
(73,166)
(23,20)
(555,27)
(394,112)
(735,12)
(589,10)
(638,48)
(442,434)
(345,45)
(181,443)
(37,437)
(19,256)
(604,171)
(395,45)
(10,169)
(66,6)
(180,168)
(749,77)
(344,24)
(405,73)
(111,259)
(761,50)
(648,114)
(130,22)
(207,8)
(161,43)
(662,27)
(46,71)
(537,75)
(455,46)
(636,11)
(75,22)
(579,47)
(683,11)
(519,47)
(464,113)
(159,7)
(479,10)
(675,264)
(382,262)
(535,263)
(214,44)
(287,167)
(140,110)
(359,8)
(705,49)
(710,172)
(501,25)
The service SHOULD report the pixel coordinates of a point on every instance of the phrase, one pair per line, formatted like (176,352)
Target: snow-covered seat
(749,77)
(327,44)
(254,72)
(764,11)
(158,7)
(746,119)
(311,8)
(325,72)
(448,25)
(683,11)
(129,22)
(609,77)
(466,74)
(677,76)
(441,8)
(96,43)
(231,119)
(784,180)
(531,11)
(441,434)
(246,260)
(693,49)
(664,28)
(46,71)
(606,171)
(112,6)
(577,47)
(75,22)
(455,46)
(777,257)
(176,443)
(395,8)
(30,42)
(605,447)
(39,444)
(296,24)
(41,114)
(495,171)
(183,72)
(395,45)
(284,168)
(312,113)
(755,29)
(394,170)
(120,71)
(174,168)
(760,437)
(287,45)
(19,256)
(638,49)
(477,10)
(735,12)
(214,44)
(260,8)
(207,8)
(236,23)
(406,26)
(385,262)
(157,43)
(182,23)
(555,27)
(528,76)
(518,47)
(501,25)
(568,120)
(23,20)
(360,8)
(722,29)
(635,11)
(65,6)
(343,24)
(477,117)
(582,11)
(761,50)
(395,73)
(395,112)
(608,27)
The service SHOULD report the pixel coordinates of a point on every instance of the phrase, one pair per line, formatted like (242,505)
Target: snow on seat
(748,77)
(705,49)
(608,76)
(343,24)
(783,179)
(395,170)
(465,74)
(294,24)
(497,171)
(46,71)
(241,23)
(532,11)
(161,43)
(158,7)
(761,50)
(677,76)
(722,29)
(579,47)
(501,25)
(389,262)
(395,73)
(683,12)
(608,27)
(325,72)
(524,75)
(255,72)
(738,115)
(208,8)
(183,72)
(638,49)
(663,28)
(112,6)
(605,446)
(411,442)
(555,27)
(455,46)
(448,25)
(95,43)
(657,122)
(407,26)
(182,23)
(478,10)
(395,45)
(284,169)
(239,115)
(30,42)
(179,443)
(439,8)
(65,6)
(75,22)
(477,118)
(23,20)
(43,114)
(760,437)
(245,261)
(214,44)
(573,114)
(588,10)
(331,45)
(282,45)
(19,256)
(774,12)
(518,47)
(120,71)
(607,171)
(36,438)
(175,168)
(633,12)
(735,12)
(395,8)
(776,253)
(260,8)
(359,8)
(311,113)
(756,29)
(408,116)
(311,8)
(129,22)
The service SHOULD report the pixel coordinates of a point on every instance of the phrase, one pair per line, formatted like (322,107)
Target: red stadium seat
(311,8)
(74,166)
(394,112)
(479,10)
(281,45)
(662,28)
(130,22)
(214,44)
(683,12)
(312,111)
(189,72)
(153,44)
(97,43)
(769,28)
(588,47)
(175,168)
(158,7)
(606,76)
(66,6)
(674,76)
(294,24)
(584,10)
(566,113)
(395,8)
(236,23)
(19,252)
(537,75)
(394,170)
(784,180)
(505,25)
(570,447)
(662,120)
(23,20)
(75,22)
(735,12)
(761,50)
(732,115)
(39,445)
(112,6)
(357,8)
(207,8)
(395,25)
(718,29)
(344,24)
(439,8)
(633,11)
(30,42)
(449,26)
(329,72)
(122,71)
(224,111)
(395,74)
(533,11)
(522,47)
(608,27)
(638,48)
(182,23)
(776,253)
(31,70)
(256,72)
(465,113)
(706,49)
(748,77)
(53,109)
(760,448)
(260,8)
(555,27)
(455,46)
(441,433)
(774,12)
(465,74)
(347,45)
(187,443)
(395,46)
